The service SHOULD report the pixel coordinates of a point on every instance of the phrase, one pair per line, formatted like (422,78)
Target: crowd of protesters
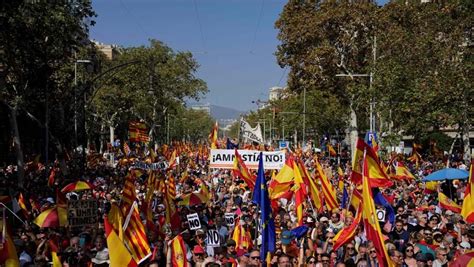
(423,233)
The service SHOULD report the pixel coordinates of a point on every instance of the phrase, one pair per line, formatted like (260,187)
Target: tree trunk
(354,134)
(465,140)
(112,134)
(17,143)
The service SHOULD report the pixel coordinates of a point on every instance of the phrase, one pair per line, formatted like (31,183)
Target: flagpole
(16,216)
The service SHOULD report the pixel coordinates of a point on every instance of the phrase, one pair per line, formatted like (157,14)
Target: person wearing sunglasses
(254,258)
(409,260)
(311,261)
(373,261)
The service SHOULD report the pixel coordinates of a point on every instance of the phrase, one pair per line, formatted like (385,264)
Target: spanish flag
(375,173)
(115,218)
(8,256)
(346,234)
(178,252)
(371,224)
(331,150)
(357,161)
(446,203)
(240,170)
(22,204)
(467,210)
(242,238)
(300,192)
(118,253)
(54,254)
(286,174)
(402,172)
(213,136)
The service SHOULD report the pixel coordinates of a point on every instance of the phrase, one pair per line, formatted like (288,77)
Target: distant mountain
(223,113)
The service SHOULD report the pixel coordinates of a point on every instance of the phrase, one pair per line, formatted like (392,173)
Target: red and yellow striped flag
(446,203)
(173,161)
(115,218)
(22,203)
(178,252)
(8,255)
(328,190)
(171,187)
(371,224)
(126,149)
(118,253)
(467,210)
(312,187)
(135,236)
(129,194)
(54,254)
(331,150)
(286,174)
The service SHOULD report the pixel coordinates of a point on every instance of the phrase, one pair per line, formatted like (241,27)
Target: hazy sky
(234,41)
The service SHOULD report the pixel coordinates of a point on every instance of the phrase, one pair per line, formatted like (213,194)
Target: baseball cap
(198,250)
(286,237)
(323,219)
(465,245)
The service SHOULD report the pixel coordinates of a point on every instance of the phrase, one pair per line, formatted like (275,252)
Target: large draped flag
(8,256)
(240,170)
(347,233)
(178,252)
(118,253)
(115,218)
(467,210)
(54,253)
(379,199)
(371,224)
(312,187)
(129,194)
(446,203)
(213,136)
(328,190)
(300,191)
(260,197)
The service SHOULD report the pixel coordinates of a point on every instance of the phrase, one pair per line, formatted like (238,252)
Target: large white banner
(254,134)
(224,159)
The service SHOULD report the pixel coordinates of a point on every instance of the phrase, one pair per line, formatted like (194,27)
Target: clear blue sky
(234,41)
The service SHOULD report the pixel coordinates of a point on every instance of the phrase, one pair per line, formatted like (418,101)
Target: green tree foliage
(154,83)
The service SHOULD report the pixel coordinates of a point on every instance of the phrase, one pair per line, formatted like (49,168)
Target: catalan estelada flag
(240,170)
(467,210)
(446,203)
(8,256)
(371,223)
(178,252)
(118,253)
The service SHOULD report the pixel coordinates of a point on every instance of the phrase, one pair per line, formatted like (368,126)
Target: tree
(37,40)
(323,38)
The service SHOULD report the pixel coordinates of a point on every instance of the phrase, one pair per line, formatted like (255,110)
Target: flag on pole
(213,136)
(286,174)
(8,255)
(328,190)
(300,191)
(467,210)
(241,170)
(260,197)
(371,224)
(331,150)
(242,238)
(118,253)
(312,187)
(347,233)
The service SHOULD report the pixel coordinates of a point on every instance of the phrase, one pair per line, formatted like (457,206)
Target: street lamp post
(84,61)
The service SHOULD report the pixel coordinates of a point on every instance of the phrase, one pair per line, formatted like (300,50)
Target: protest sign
(213,238)
(229,219)
(224,159)
(193,221)
(82,212)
